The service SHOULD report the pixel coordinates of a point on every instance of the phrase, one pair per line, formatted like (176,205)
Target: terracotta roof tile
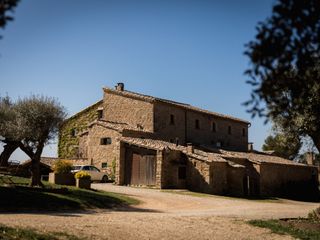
(259,157)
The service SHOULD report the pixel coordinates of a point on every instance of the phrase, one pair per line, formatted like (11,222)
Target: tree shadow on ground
(66,201)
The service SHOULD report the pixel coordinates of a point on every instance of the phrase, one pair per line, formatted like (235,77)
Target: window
(213,127)
(94,169)
(105,141)
(229,130)
(243,132)
(182,173)
(100,114)
(73,132)
(197,124)
(104,165)
(172,119)
(86,168)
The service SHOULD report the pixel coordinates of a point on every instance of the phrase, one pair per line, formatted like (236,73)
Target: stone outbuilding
(148,141)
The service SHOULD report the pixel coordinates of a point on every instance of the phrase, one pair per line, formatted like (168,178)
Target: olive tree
(285,67)
(38,120)
(7,130)
(31,123)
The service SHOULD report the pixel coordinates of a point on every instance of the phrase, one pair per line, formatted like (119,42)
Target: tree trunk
(35,166)
(316,142)
(8,149)
(35,170)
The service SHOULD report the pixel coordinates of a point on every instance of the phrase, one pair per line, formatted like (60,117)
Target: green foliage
(283,145)
(62,166)
(31,122)
(82,175)
(285,67)
(78,122)
(10,233)
(113,170)
(276,227)
(6,6)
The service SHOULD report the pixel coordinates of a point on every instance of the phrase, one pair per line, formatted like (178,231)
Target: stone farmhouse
(149,141)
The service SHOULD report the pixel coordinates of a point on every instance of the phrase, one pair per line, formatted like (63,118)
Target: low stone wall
(284,180)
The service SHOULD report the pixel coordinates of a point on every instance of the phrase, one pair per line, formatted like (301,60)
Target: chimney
(119,86)
(190,148)
(310,158)
(250,146)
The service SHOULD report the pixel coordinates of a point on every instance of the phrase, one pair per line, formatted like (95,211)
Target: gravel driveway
(163,215)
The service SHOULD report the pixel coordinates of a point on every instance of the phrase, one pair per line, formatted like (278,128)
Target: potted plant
(62,173)
(83,179)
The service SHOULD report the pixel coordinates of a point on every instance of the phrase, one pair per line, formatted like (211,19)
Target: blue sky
(188,51)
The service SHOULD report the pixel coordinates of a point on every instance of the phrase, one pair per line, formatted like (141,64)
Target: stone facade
(68,145)
(143,140)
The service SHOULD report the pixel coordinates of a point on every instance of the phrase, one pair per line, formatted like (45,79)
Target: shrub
(113,170)
(82,175)
(62,166)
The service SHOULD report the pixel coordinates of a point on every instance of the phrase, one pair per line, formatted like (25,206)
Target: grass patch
(277,227)
(10,233)
(56,198)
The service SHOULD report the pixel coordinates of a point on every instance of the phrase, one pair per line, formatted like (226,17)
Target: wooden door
(143,170)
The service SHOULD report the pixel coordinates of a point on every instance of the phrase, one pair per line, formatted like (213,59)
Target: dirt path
(165,215)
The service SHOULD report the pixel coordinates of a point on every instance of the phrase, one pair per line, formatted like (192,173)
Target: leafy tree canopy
(283,145)
(6,6)
(31,123)
(285,67)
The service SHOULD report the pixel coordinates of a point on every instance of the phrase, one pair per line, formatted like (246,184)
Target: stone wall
(68,134)
(209,136)
(171,162)
(235,179)
(164,128)
(131,111)
(198,176)
(98,153)
(281,179)
(218,178)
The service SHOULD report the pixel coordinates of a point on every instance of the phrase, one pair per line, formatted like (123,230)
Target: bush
(113,170)
(82,175)
(62,166)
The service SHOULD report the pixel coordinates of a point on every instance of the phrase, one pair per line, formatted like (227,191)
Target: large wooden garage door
(143,170)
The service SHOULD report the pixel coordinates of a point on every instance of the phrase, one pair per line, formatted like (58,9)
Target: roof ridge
(179,104)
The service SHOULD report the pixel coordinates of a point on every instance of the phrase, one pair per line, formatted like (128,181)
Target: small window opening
(100,114)
(243,132)
(182,173)
(177,141)
(171,140)
(229,130)
(214,127)
(197,124)
(105,141)
(172,122)
(104,165)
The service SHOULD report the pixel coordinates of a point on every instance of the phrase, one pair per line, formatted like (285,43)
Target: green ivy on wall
(77,123)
